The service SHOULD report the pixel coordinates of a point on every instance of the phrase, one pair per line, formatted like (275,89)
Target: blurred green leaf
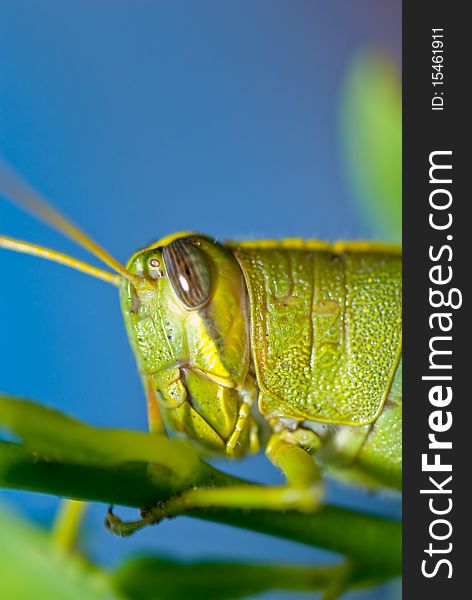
(32,567)
(164,579)
(371,133)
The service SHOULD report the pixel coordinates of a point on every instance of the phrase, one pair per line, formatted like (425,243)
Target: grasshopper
(292,345)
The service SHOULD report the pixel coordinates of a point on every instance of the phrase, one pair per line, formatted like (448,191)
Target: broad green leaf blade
(371,135)
(164,579)
(31,567)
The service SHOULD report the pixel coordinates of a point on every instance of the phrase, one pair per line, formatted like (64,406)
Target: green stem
(367,539)
(67,524)
(63,438)
(65,457)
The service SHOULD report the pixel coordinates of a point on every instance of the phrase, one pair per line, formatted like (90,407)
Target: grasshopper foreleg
(302,491)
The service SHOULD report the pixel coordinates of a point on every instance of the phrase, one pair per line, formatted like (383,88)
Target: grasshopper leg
(302,491)
(156,424)
(287,451)
(244,418)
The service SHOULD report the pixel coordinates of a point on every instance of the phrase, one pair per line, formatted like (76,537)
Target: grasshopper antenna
(15,189)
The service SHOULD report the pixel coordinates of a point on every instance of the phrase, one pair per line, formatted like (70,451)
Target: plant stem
(367,539)
(67,524)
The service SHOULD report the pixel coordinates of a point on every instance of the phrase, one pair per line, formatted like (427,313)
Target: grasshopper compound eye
(189,273)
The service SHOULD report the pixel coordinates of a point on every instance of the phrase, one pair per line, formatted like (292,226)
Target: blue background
(142,118)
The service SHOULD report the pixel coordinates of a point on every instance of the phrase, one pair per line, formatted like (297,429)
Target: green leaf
(31,567)
(164,579)
(371,134)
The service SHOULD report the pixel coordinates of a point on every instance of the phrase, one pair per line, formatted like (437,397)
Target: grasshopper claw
(125,528)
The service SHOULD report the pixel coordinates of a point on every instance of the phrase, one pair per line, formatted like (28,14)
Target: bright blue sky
(142,118)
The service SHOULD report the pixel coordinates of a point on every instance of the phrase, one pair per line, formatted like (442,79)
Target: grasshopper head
(191,340)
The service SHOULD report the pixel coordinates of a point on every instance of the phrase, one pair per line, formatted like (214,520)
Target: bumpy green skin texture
(326,331)
(378,457)
(381,455)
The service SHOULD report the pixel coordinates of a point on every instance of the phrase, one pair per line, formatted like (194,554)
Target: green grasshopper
(292,345)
